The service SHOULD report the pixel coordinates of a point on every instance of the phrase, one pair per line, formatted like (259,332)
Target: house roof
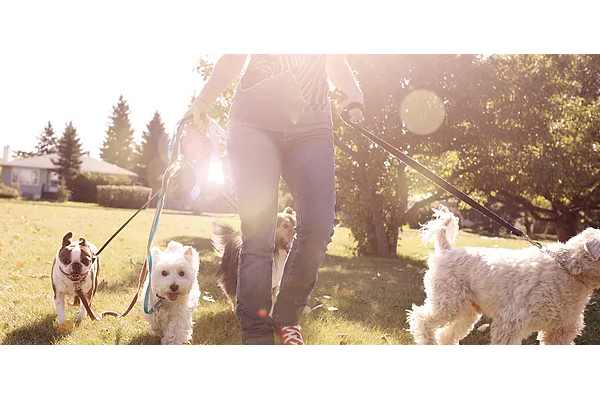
(88,164)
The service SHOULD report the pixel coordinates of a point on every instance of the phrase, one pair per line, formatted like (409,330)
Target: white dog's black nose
(174,287)
(76,267)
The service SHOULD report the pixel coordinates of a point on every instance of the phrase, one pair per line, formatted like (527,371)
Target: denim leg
(255,164)
(309,171)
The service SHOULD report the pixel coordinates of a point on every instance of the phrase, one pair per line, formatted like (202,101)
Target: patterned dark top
(283,93)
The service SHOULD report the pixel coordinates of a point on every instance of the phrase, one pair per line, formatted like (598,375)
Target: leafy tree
(373,186)
(69,154)
(118,143)
(47,141)
(540,120)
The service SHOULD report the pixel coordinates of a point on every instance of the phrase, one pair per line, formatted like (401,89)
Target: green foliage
(83,186)
(62,194)
(69,154)
(118,143)
(47,141)
(538,121)
(373,186)
(9,192)
(123,196)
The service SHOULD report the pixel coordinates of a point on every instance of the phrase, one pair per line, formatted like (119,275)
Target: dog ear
(67,239)
(155,251)
(289,210)
(592,247)
(82,241)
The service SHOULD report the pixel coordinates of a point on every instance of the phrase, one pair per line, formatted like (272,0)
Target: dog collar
(563,263)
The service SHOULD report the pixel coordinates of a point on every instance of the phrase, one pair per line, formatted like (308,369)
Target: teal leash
(173,160)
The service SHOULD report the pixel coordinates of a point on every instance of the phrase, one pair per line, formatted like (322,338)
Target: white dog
(522,291)
(174,281)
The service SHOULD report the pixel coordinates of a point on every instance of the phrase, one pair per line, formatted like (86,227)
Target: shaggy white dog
(523,291)
(174,280)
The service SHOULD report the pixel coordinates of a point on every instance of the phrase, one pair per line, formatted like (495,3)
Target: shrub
(83,186)
(9,192)
(123,196)
(62,194)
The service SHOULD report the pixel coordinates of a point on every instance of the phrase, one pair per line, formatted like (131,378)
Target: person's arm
(226,70)
(340,74)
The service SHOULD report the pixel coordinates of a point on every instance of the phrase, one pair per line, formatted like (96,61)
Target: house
(37,177)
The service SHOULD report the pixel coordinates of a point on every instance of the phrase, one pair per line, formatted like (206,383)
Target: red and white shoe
(289,335)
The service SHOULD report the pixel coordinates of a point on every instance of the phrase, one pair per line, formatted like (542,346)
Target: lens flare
(262,313)
(422,112)
(215,171)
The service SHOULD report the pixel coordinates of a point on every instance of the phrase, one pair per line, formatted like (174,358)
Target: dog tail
(227,244)
(441,230)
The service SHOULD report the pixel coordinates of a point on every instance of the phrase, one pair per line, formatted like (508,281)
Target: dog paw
(65,328)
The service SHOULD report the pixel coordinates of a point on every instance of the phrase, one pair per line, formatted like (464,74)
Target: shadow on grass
(373,291)
(145,339)
(42,332)
(130,281)
(217,328)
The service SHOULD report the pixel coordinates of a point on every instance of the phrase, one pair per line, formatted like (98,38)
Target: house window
(24,176)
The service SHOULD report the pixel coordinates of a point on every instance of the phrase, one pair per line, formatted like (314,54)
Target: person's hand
(355,115)
(197,112)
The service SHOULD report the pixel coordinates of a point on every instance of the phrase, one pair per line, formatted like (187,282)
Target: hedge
(123,196)
(83,186)
(9,192)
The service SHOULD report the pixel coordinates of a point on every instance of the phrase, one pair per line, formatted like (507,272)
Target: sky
(63,61)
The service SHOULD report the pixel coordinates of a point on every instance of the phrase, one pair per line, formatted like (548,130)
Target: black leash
(433,177)
(124,225)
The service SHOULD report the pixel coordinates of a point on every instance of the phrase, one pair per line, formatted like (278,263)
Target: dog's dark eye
(181,273)
(66,261)
(164,273)
(85,262)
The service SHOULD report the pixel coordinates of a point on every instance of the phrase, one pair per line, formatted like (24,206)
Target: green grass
(370,294)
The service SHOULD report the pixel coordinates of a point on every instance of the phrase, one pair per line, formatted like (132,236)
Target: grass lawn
(363,299)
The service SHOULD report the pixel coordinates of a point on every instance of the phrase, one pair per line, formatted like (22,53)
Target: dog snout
(174,287)
(76,267)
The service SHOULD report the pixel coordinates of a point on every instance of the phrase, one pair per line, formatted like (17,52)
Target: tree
(540,120)
(47,141)
(69,154)
(153,153)
(372,186)
(118,143)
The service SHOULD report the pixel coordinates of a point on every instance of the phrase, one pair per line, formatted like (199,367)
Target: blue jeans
(257,159)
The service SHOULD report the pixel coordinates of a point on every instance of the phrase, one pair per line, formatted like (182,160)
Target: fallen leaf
(208,298)
(378,274)
(317,306)
(343,343)
(326,297)
(482,328)
(33,276)
(332,308)
(65,328)
(43,276)
(15,277)
(17,236)
(122,239)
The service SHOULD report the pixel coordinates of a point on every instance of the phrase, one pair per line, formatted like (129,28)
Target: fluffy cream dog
(174,280)
(523,291)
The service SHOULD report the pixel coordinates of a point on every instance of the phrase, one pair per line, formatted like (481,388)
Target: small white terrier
(174,280)
(522,291)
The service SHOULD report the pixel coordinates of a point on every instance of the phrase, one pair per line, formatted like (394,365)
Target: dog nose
(76,267)
(174,287)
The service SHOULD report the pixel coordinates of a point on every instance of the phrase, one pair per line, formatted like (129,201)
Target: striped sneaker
(289,335)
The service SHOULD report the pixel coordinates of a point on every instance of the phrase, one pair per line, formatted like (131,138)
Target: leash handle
(434,178)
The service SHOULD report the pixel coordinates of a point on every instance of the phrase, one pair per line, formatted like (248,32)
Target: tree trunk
(566,226)
(379,227)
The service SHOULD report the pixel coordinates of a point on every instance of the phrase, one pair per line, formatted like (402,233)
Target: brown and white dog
(227,243)
(73,263)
